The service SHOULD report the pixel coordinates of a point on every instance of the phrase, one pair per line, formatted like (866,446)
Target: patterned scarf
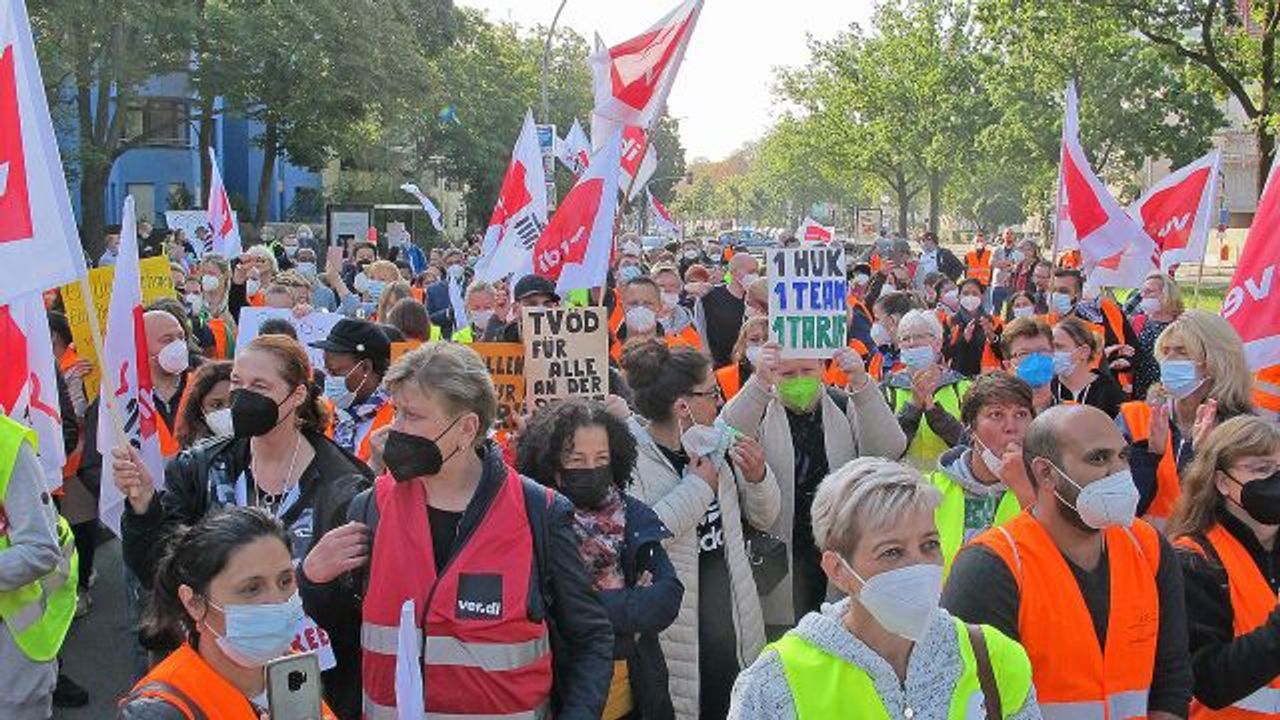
(348,421)
(600,533)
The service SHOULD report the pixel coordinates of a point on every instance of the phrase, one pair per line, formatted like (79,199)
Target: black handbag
(768,557)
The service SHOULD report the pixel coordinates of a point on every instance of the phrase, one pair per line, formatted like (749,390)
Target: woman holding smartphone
(225,591)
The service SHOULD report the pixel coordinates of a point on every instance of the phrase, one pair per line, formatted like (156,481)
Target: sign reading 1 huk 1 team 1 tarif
(808,300)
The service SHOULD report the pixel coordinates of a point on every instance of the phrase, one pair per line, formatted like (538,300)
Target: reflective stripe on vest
(187,683)
(950,514)
(925,446)
(1252,602)
(480,653)
(374,711)
(1137,418)
(978,266)
(493,657)
(39,613)
(1266,389)
(823,685)
(1075,678)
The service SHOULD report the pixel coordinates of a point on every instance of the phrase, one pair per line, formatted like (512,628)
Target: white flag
(520,213)
(575,248)
(432,211)
(126,377)
(29,381)
(631,80)
(661,218)
(226,228)
(39,244)
(1089,218)
(574,151)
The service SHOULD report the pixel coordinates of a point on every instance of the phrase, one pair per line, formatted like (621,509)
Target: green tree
(96,58)
(1232,44)
(1134,104)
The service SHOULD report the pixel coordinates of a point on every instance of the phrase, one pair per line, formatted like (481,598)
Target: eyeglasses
(714,392)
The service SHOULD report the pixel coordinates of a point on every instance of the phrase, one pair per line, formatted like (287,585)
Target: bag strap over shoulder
(986,673)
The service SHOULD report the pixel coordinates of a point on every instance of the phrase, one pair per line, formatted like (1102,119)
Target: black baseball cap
(535,285)
(357,337)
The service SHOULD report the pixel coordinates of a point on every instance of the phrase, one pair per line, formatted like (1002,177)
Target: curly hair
(548,438)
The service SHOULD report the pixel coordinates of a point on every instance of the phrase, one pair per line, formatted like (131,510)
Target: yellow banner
(157,283)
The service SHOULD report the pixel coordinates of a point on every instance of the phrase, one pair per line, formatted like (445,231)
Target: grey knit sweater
(933,669)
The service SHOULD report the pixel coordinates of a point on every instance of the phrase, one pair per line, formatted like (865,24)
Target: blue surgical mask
(308,269)
(1063,363)
(335,388)
(1061,303)
(627,273)
(917,358)
(1180,377)
(375,288)
(1036,369)
(256,634)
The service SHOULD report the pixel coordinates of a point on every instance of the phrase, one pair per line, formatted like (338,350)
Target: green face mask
(799,393)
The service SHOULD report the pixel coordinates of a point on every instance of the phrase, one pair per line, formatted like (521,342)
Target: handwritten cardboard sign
(808,300)
(506,366)
(566,354)
(157,283)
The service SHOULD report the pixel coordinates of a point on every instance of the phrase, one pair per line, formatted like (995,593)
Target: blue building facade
(167,166)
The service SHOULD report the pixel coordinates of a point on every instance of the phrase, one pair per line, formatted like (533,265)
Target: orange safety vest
(218,328)
(990,361)
(481,654)
(169,447)
(685,338)
(258,299)
(837,377)
(1115,320)
(1075,678)
(1252,601)
(729,378)
(419,294)
(618,315)
(1266,389)
(185,682)
(1137,417)
(978,264)
(382,418)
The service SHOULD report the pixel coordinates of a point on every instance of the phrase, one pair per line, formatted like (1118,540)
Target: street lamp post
(546,61)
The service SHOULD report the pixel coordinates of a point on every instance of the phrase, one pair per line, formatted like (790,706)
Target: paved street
(97,652)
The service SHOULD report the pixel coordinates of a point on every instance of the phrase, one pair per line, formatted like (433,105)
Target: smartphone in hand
(293,687)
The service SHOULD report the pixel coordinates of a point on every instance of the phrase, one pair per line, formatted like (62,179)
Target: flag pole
(95,333)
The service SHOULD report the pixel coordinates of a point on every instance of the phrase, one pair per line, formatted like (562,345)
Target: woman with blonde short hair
(887,648)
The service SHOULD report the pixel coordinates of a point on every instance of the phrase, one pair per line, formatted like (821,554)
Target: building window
(161,122)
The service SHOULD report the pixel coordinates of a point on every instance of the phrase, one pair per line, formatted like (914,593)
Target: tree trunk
(903,190)
(93,208)
(1266,153)
(270,148)
(935,200)
(205,142)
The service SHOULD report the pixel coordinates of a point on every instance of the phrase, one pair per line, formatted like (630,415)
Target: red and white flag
(226,229)
(39,244)
(812,232)
(29,380)
(126,376)
(1178,212)
(521,212)
(1089,218)
(661,218)
(574,151)
(633,78)
(1252,302)
(575,248)
(639,160)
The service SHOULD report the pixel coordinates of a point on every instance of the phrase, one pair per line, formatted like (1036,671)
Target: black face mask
(252,413)
(413,456)
(586,487)
(1261,498)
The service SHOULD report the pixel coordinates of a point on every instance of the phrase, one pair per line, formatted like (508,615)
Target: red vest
(482,654)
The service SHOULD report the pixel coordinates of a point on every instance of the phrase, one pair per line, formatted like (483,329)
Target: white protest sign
(311,328)
(808,300)
(312,638)
(188,221)
(566,353)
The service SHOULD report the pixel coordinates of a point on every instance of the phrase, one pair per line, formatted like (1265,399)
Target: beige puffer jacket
(681,502)
(867,426)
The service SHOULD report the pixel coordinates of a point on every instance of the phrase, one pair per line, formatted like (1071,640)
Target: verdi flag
(521,211)
(575,248)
